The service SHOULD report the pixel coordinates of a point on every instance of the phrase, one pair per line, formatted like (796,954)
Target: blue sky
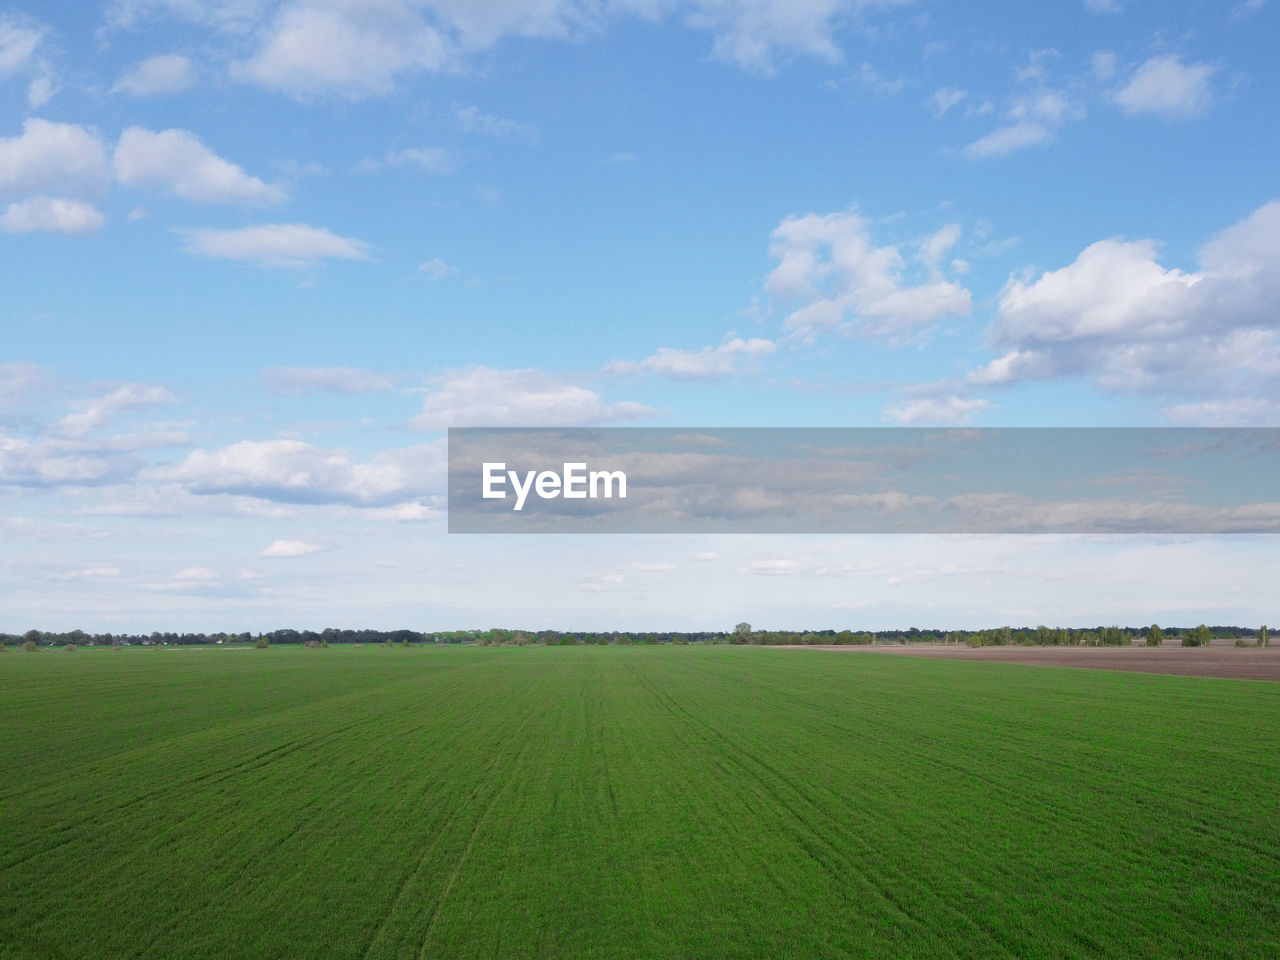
(256,256)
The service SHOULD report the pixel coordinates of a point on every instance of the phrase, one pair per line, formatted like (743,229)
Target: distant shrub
(71,648)
(1242,642)
(1199,637)
(3,648)
(975,640)
(311,644)
(29,646)
(261,643)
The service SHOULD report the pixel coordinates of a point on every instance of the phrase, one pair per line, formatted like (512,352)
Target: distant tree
(1199,637)
(1155,636)
(742,633)
(1264,636)
(811,638)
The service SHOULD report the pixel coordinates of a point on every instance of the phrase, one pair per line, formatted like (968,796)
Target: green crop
(640,802)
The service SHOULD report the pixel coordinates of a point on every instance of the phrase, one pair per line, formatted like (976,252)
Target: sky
(256,258)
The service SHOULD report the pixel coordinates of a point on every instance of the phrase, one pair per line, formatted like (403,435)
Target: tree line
(743,633)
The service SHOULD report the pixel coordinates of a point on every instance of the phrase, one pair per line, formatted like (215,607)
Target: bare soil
(1240,663)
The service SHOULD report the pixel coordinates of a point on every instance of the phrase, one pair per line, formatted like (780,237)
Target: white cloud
(155,76)
(195,573)
(438,160)
(177,162)
(118,399)
(19,40)
(1118,315)
(484,397)
(94,572)
(274,244)
(345,380)
(1165,84)
(754,33)
(876,82)
(941,411)
(1031,120)
(1103,6)
(935,246)
(317,48)
(437,269)
(19,381)
(709,363)
(50,215)
(1008,139)
(291,471)
(279,549)
(52,157)
(472,120)
(943,99)
(40,91)
(849,286)
(1104,64)
(234,16)
(1239,412)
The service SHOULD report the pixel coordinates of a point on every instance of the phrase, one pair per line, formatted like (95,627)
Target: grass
(629,802)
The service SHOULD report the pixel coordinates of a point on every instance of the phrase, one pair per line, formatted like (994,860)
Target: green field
(629,802)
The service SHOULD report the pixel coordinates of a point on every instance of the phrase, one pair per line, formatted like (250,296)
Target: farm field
(637,802)
(1219,660)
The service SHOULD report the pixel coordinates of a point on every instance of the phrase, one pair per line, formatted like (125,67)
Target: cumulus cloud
(345,380)
(50,215)
(847,285)
(155,76)
(274,244)
(176,162)
(47,157)
(1116,314)
(316,48)
(291,471)
(281,549)
(485,397)
(937,411)
(709,363)
(1166,85)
